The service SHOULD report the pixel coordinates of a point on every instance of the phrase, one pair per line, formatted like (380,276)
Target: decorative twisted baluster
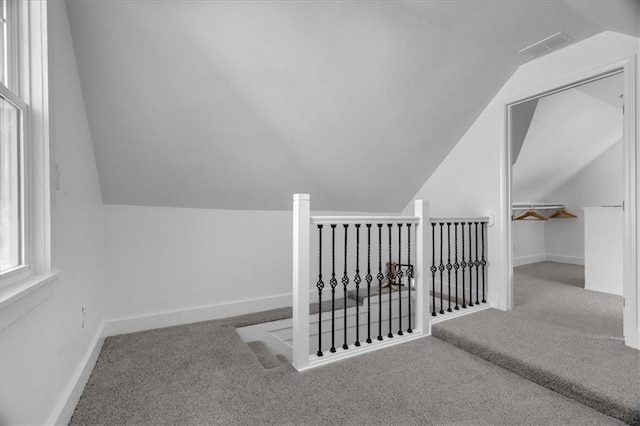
(345,282)
(380,277)
(409,273)
(389,277)
(333,282)
(483,262)
(441,269)
(433,269)
(456,265)
(369,278)
(357,280)
(477,265)
(449,266)
(399,274)
(320,286)
(470,266)
(463,265)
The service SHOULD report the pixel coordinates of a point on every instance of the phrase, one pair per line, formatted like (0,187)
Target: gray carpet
(560,336)
(204,374)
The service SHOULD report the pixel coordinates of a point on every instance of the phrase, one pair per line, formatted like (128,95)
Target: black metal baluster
(389,276)
(380,277)
(399,278)
(357,280)
(320,286)
(345,282)
(433,269)
(449,265)
(456,265)
(477,264)
(483,262)
(333,282)
(470,266)
(409,273)
(463,266)
(369,278)
(441,269)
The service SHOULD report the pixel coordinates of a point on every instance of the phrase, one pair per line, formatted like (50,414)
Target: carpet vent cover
(546,45)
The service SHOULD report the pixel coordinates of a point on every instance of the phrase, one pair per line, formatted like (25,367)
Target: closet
(567,164)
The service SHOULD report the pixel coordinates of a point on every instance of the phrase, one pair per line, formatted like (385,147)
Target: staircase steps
(264,355)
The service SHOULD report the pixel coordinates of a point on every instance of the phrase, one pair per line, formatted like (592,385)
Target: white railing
(418,274)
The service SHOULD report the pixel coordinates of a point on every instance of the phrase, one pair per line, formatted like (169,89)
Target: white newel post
(301,236)
(423,254)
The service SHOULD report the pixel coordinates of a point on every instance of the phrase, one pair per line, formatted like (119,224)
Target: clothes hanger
(563,214)
(530,214)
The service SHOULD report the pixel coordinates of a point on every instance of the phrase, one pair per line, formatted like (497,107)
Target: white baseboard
(494,300)
(191,315)
(526,260)
(573,260)
(67,403)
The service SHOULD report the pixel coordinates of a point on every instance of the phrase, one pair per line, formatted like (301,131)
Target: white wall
(569,130)
(528,237)
(470,179)
(43,351)
(174,265)
(598,184)
(562,240)
(169,266)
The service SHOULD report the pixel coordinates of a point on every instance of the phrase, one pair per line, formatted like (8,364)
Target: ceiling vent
(546,45)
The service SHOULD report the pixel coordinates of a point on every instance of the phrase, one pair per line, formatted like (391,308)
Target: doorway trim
(627,66)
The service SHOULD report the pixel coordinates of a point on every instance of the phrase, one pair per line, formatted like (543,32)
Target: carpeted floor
(559,335)
(203,374)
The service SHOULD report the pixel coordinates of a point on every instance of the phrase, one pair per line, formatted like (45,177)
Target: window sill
(19,298)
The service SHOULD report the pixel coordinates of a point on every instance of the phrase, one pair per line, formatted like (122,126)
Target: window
(12,167)
(25,259)
(3,41)
(12,254)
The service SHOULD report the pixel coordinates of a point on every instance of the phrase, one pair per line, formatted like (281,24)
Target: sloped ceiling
(238,105)
(569,130)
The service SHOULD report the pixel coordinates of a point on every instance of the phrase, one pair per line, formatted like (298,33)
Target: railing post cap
(301,197)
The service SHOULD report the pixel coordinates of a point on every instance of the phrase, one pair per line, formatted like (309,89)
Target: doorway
(530,194)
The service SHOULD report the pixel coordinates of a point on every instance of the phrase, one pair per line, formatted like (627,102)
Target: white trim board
(195,314)
(572,260)
(203,313)
(66,405)
(536,258)
(527,260)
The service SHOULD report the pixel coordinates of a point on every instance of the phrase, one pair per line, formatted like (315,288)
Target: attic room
(196,195)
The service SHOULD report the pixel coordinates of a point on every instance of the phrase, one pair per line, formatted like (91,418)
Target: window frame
(29,82)
(25,243)
(14,47)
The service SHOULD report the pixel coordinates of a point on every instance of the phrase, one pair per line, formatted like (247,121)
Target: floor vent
(546,45)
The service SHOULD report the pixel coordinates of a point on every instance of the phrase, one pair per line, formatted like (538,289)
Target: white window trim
(33,87)
(22,270)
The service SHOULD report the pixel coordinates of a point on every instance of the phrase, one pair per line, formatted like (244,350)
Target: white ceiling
(237,105)
(568,131)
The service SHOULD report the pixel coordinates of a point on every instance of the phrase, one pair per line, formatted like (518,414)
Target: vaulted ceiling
(238,105)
